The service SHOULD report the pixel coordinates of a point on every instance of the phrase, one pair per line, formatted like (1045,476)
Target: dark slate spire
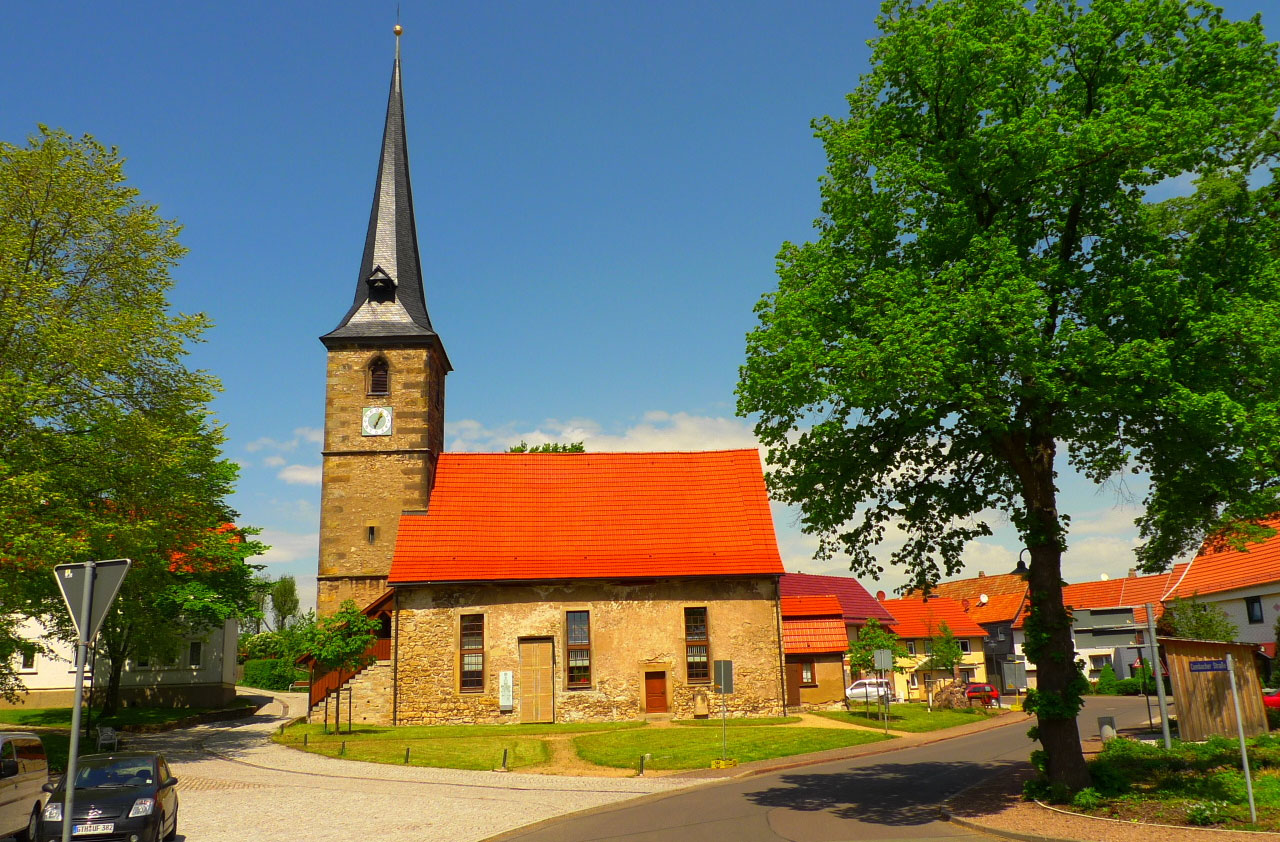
(389,304)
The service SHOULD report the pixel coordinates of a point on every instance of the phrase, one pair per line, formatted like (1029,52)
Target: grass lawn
(909,716)
(714,722)
(683,748)
(446,746)
(61,717)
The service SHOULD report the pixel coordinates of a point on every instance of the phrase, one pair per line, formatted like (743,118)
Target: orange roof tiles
(973,587)
(857,604)
(522,516)
(1219,568)
(1000,608)
(811,606)
(801,635)
(920,618)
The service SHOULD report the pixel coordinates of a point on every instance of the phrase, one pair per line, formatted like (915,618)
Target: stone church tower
(384,397)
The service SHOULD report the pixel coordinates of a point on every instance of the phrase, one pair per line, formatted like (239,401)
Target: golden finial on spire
(398,30)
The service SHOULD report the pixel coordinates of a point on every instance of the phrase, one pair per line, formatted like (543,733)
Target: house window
(807,678)
(27,659)
(928,646)
(911,649)
(697,667)
(379,377)
(1253,606)
(1000,632)
(578,638)
(471,647)
(964,645)
(913,679)
(194,651)
(1097,662)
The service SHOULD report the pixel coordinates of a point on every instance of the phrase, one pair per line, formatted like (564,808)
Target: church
(524,587)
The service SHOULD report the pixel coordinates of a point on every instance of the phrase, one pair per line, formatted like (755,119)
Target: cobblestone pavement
(237,785)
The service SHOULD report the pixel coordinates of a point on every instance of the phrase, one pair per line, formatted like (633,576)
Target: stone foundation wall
(635,628)
(370,698)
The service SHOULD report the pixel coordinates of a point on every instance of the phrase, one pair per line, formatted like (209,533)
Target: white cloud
(309,435)
(274,461)
(287,546)
(301,474)
(656,431)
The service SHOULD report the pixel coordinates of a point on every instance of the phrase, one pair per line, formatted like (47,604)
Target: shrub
(1059,793)
(1129,687)
(271,674)
(1087,799)
(1205,813)
(1273,719)
(1108,778)
(1106,684)
(1035,789)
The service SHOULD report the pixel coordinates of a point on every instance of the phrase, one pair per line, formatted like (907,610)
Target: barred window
(578,643)
(697,665)
(379,377)
(471,646)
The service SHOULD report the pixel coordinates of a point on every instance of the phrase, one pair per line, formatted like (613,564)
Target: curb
(1003,834)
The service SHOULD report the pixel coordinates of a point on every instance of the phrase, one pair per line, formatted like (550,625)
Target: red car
(984,693)
(1272,699)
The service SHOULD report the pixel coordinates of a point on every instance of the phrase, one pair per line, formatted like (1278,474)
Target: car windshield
(116,772)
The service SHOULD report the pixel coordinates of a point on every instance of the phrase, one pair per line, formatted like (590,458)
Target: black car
(127,796)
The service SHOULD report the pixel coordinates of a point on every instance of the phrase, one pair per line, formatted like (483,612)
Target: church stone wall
(634,628)
(369,480)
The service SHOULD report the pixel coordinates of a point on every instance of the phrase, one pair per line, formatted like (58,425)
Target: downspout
(782,665)
(395,659)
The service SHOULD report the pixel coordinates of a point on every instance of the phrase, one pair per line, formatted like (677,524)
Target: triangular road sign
(73,578)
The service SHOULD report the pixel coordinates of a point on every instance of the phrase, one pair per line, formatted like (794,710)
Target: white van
(24,769)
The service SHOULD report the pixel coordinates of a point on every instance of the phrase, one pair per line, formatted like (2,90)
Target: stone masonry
(636,627)
(369,480)
(370,697)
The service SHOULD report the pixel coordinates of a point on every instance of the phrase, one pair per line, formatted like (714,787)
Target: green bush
(271,674)
(1087,799)
(1108,778)
(1273,719)
(1206,813)
(1106,683)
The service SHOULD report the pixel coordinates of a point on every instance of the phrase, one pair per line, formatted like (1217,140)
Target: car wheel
(173,834)
(32,833)
(159,828)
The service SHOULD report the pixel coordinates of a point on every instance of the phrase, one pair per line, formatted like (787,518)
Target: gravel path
(237,785)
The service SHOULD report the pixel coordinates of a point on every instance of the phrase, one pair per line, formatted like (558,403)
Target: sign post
(1244,754)
(884,663)
(88,589)
(723,684)
(1157,674)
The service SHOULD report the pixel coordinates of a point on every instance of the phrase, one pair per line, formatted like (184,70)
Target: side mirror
(171,781)
(8,768)
(49,788)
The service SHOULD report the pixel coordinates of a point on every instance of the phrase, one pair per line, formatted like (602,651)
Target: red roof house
(856,604)
(922,619)
(813,624)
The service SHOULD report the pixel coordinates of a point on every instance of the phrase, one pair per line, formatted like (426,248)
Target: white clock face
(376,421)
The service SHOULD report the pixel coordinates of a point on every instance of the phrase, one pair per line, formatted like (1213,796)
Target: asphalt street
(883,797)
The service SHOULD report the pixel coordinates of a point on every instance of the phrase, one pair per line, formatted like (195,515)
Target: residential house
(202,674)
(857,605)
(918,622)
(997,603)
(815,641)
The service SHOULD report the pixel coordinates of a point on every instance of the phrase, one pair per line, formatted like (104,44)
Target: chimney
(1133,571)
(880,596)
(981,574)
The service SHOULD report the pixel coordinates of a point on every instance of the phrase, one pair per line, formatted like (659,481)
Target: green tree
(284,601)
(871,637)
(1107,681)
(107,449)
(548,447)
(1190,618)
(340,641)
(991,297)
(945,652)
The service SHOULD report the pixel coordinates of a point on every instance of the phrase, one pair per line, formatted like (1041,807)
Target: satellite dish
(982,599)
(1104,577)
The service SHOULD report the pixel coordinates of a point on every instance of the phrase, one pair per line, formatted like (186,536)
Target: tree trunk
(111,699)
(1056,670)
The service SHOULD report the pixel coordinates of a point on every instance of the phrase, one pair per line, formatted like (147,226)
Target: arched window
(379,377)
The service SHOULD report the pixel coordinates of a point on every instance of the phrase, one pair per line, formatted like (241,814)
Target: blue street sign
(1218,665)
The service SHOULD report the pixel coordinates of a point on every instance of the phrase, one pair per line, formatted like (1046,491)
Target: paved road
(884,797)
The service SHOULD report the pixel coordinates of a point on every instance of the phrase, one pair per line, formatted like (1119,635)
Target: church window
(697,666)
(371,533)
(471,645)
(578,641)
(379,377)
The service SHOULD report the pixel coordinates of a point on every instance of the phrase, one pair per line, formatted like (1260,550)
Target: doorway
(655,692)
(795,676)
(536,696)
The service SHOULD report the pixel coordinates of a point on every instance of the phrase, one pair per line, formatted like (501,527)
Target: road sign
(883,659)
(723,676)
(1215,665)
(73,578)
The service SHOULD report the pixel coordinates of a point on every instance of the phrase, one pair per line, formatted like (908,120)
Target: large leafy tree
(107,448)
(992,297)
(1191,618)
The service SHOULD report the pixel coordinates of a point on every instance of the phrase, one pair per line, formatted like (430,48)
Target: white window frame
(965,647)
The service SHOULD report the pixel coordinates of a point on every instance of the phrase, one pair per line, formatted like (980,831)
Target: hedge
(271,674)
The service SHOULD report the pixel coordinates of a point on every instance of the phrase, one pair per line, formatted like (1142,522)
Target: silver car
(869,690)
(23,771)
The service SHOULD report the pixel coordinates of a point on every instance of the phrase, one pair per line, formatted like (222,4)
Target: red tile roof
(811,606)
(801,635)
(919,618)
(973,587)
(857,604)
(521,516)
(1000,608)
(1219,568)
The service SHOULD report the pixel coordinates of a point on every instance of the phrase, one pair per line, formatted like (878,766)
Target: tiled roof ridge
(467,453)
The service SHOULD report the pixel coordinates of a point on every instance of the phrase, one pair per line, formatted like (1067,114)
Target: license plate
(82,829)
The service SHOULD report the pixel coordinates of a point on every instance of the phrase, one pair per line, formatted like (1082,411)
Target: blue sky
(601,190)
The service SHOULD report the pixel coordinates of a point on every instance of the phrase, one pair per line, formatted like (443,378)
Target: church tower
(384,394)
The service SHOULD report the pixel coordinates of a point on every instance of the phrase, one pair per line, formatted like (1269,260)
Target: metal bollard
(504,760)
(642,757)
(406,755)
(342,752)
(1107,728)
(305,738)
